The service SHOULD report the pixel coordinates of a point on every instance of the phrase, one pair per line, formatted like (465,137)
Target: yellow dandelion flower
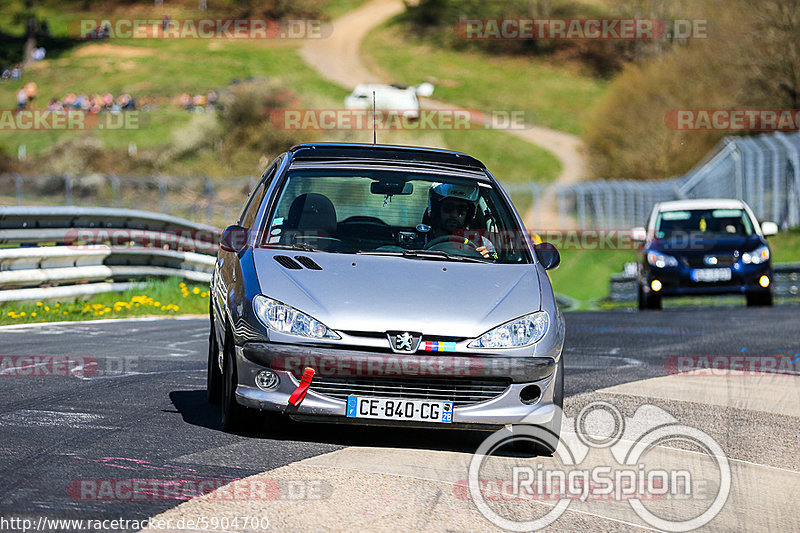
(58,304)
(22,313)
(39,304)
(196,290)
(33,314)
(46,307)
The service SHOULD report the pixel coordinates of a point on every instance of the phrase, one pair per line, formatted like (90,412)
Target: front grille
(698,261)
(459,391)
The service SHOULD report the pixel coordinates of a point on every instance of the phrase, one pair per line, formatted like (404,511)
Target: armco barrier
(72,251)
(787,282)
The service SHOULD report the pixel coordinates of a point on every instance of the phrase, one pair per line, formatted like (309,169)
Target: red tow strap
(300,392)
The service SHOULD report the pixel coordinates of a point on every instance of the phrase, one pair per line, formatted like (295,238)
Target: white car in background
(389,98)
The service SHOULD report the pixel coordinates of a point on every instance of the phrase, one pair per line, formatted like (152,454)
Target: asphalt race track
(141,414)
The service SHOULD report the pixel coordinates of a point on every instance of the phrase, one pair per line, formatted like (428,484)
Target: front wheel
(213,375)
(235,417)
(759,299)
(647,300)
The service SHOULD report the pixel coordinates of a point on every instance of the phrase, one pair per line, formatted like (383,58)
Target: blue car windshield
(391,212)
(710,222)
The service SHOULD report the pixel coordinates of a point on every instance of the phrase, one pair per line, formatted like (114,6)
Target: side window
(250,211)
(251,208)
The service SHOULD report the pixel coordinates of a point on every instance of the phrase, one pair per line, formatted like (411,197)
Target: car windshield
(413,214)
(714,222)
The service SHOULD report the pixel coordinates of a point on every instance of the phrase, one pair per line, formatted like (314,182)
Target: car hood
(384,293)
(697,245)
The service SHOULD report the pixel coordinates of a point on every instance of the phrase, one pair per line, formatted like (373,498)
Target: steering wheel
(453,241)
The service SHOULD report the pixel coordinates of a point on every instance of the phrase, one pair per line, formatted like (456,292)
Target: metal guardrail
(763,170)
(623,287)
(52,252)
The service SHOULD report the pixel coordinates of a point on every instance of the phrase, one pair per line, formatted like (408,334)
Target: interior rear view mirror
(391,187)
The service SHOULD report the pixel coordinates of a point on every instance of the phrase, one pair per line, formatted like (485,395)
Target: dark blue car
(704,247)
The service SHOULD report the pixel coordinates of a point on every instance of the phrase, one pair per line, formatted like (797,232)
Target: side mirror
(234,239)
(769,228)
(639,234)
(548,255)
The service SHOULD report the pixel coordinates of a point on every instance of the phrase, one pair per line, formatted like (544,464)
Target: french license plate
(711,274)
(392,409)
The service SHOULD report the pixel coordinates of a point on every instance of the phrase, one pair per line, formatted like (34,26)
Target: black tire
(213,375)
(648,300)
(235,417)
(547,435)
(759,299)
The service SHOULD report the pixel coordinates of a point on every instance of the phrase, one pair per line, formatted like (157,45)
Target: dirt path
(337,59)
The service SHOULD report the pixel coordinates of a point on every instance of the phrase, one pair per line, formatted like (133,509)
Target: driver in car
(451,212)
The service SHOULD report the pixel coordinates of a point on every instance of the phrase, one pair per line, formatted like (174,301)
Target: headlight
(660,260)
(522,331)
(285,319)
(757,256)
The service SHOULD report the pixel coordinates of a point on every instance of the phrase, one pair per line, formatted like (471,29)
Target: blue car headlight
(660,260)
(284,319)
(522,331)
(757,256)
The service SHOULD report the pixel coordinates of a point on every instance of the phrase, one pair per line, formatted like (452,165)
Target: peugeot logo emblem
(403,341)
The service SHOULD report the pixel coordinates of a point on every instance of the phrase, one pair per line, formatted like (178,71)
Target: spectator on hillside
(22,99)
(16,72)
(186,101)
(55,105)
(31,90)
(39,53)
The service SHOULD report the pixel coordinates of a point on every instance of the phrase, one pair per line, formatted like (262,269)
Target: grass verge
(553,95)
(168,297)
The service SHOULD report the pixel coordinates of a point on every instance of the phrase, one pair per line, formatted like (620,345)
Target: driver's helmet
(439,191)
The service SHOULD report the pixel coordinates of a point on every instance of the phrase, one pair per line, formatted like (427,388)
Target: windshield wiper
(426,254)
(296,246)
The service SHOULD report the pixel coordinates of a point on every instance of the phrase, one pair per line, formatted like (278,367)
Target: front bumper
(506,408)
(677,281)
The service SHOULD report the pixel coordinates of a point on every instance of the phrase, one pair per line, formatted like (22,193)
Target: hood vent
(307,262)
(287,262)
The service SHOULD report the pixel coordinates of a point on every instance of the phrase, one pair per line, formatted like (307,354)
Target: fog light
(764,281)
(530,394)
(267,380)
(655,285)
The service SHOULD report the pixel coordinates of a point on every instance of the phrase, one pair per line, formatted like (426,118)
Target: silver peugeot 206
(384,285)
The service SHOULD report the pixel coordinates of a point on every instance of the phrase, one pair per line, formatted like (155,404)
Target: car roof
(380,153)
(700,203)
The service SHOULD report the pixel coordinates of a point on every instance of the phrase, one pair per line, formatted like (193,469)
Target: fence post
(208,192)
(18,187)
(114,189)
(162,193)
(67,189)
